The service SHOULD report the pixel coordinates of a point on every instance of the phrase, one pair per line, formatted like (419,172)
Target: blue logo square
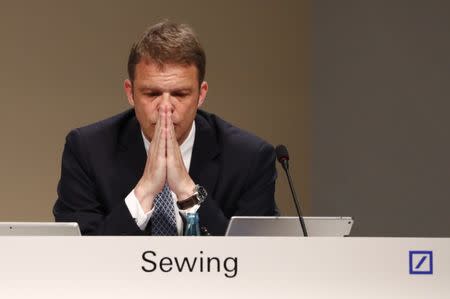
(420,262)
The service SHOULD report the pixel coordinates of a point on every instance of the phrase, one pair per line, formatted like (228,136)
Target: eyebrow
(150,88)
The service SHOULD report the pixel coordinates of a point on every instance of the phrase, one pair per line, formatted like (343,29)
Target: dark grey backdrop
(380,111)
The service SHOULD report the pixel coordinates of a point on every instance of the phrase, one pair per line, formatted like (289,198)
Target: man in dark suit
(141,171)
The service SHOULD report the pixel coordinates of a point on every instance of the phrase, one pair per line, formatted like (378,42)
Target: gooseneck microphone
(283,158)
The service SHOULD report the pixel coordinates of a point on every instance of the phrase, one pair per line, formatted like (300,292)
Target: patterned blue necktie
(163,218)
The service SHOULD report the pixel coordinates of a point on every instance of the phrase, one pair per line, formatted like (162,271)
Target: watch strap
(188,202)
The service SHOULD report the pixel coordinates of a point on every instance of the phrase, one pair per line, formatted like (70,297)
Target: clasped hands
(164,164)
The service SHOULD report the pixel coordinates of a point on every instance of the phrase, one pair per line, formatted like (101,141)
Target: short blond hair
(168,42)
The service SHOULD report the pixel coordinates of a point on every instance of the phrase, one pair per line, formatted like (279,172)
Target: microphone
(283,158)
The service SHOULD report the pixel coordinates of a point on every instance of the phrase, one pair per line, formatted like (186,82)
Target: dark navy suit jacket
(103,162)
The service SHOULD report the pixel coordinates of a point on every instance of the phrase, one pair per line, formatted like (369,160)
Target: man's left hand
(178,177)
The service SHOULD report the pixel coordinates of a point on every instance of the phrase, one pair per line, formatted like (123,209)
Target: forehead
(148,72)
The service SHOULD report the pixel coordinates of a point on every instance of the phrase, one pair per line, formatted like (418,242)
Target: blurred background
(357,90)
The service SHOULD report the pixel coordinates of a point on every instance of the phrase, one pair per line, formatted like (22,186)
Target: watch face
(201,193)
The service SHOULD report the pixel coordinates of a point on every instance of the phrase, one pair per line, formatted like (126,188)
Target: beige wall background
(62,65)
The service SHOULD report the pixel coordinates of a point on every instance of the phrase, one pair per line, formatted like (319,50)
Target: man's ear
(203,92)
(128,87)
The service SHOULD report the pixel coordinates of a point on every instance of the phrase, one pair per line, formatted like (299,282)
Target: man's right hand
(154,177)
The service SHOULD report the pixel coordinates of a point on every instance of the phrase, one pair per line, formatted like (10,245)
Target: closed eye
(152,94)
(180,94)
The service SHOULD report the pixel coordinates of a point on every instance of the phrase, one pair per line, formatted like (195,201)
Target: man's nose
(166,104)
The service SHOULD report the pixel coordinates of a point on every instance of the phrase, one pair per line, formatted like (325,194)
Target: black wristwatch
(198,197)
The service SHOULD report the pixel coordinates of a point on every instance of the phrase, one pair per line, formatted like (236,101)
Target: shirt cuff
(136,210)
(182,213)
(190,210)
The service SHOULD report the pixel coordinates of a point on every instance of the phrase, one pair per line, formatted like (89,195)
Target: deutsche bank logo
(421,262)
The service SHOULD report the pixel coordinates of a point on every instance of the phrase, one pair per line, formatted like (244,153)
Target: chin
(148,135)
(178,136)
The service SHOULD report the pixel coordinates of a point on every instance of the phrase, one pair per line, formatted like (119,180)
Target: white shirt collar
(186,147)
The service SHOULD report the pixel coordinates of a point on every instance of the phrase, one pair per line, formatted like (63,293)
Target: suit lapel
(131,155)
(204,167)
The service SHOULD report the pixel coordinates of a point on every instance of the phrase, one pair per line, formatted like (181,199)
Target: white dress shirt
(135,207)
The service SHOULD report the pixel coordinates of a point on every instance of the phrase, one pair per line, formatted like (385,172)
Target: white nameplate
(220,267)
